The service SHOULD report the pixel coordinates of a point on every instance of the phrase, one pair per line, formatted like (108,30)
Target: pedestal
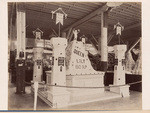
(58,96)
(59,99)
(83,94)
(122,90)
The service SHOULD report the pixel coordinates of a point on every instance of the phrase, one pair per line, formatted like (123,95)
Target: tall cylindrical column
(38,64)
(119,67)
(21,37)
(103,41)
(21,31)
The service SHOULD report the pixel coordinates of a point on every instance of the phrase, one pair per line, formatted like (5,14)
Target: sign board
(59,18)
(47,44)
(61,61)
(119,29)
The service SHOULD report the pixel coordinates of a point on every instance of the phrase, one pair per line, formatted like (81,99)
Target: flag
(119,29)
(59,18)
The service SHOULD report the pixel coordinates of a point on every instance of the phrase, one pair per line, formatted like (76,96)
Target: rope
(135,83)
(30,83)
(95,87)
(88,87)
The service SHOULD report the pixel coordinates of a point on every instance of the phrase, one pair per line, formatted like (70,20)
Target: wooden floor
(25,102)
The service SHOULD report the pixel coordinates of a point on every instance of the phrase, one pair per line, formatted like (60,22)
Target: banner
(59,18)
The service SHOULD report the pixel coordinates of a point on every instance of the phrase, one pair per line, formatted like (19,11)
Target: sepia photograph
(74,56)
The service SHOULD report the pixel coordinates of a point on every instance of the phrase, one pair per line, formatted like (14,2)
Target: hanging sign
(118,30)
(59,18)
(47,44)
(61,61)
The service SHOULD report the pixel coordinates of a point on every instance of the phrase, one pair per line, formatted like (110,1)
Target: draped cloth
(132,66)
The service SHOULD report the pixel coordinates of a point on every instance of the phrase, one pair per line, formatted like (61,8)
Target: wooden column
(12,30)
(103,41)
(21,30)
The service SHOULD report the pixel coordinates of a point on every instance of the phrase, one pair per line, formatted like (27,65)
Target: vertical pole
(63,35)
(20,70)
(18,33)
(35,94)
(59,29)
(21,31)
(119,38)
(103,41)
(11,30)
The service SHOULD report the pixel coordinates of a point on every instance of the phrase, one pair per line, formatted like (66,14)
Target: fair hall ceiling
(38,14)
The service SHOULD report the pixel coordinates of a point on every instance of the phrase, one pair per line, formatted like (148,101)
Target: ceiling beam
(94,39)
(132,26)
(93,45)
(88,17)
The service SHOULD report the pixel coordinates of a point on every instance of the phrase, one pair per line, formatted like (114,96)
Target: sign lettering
(80,60)
(80,66)
(78,53)
(61,61)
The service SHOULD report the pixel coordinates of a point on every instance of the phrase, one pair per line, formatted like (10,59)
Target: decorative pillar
(58,96)
(38,51)
(119,72)
(119,68)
